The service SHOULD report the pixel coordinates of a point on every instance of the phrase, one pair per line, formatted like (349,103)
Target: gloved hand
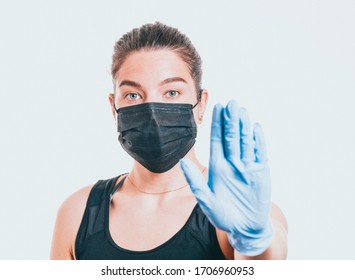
(236,197)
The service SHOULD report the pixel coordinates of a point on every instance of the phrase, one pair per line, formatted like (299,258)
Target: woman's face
(156,76)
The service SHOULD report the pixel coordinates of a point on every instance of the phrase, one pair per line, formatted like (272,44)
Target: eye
(172,93)
(132,96)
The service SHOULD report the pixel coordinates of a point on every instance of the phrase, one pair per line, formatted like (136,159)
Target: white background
(290,63)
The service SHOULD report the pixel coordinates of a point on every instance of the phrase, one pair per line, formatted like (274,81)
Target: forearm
(278,248)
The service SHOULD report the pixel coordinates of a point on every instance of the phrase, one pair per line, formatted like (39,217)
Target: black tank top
(196,240)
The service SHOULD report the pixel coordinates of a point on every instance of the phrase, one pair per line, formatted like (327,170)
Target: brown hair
(155,37)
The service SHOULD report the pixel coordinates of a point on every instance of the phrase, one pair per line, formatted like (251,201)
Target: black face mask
(157,135)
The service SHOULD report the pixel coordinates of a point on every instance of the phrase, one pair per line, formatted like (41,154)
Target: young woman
(170,206)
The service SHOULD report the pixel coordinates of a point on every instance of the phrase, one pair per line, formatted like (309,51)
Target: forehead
(153,64)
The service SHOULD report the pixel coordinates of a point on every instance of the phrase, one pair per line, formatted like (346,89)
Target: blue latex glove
(237,196)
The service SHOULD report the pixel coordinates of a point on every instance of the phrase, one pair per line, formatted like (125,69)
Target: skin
(153,76)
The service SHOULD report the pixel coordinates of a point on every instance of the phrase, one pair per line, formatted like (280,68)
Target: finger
(197,183)
(216,147)
(246,137)
(231,132)
(260,147)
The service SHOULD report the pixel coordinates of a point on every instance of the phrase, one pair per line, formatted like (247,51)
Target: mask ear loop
(198,101)
(114,105)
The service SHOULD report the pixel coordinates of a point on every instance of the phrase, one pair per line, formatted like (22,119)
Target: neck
(172,179)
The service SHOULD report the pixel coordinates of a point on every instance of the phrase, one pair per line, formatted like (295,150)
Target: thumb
(197,182)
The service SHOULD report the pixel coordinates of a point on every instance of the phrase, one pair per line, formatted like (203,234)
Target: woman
(163,208)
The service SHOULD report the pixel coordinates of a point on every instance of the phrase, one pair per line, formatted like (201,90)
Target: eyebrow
(166,81)
(130,83)
(172,80)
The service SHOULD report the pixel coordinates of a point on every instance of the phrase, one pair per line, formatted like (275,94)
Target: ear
(111,98)
(202,105)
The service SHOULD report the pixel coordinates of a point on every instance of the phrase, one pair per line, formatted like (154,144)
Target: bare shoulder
(277,215)
(67,224)
(73,207)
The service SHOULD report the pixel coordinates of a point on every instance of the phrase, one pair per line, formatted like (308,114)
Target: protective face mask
(157,135)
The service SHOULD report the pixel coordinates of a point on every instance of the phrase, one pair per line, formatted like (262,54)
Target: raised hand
(236,197)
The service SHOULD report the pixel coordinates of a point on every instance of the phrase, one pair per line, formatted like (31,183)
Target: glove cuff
(252,244)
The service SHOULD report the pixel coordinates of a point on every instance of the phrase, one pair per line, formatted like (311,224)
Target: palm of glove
(236,197)
(240,196)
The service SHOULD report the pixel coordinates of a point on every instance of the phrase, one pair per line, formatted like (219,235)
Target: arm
(237,196)
(67,225)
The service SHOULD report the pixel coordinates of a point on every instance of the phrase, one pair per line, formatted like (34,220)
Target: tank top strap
(114,188)
(93,219)
(208,236)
